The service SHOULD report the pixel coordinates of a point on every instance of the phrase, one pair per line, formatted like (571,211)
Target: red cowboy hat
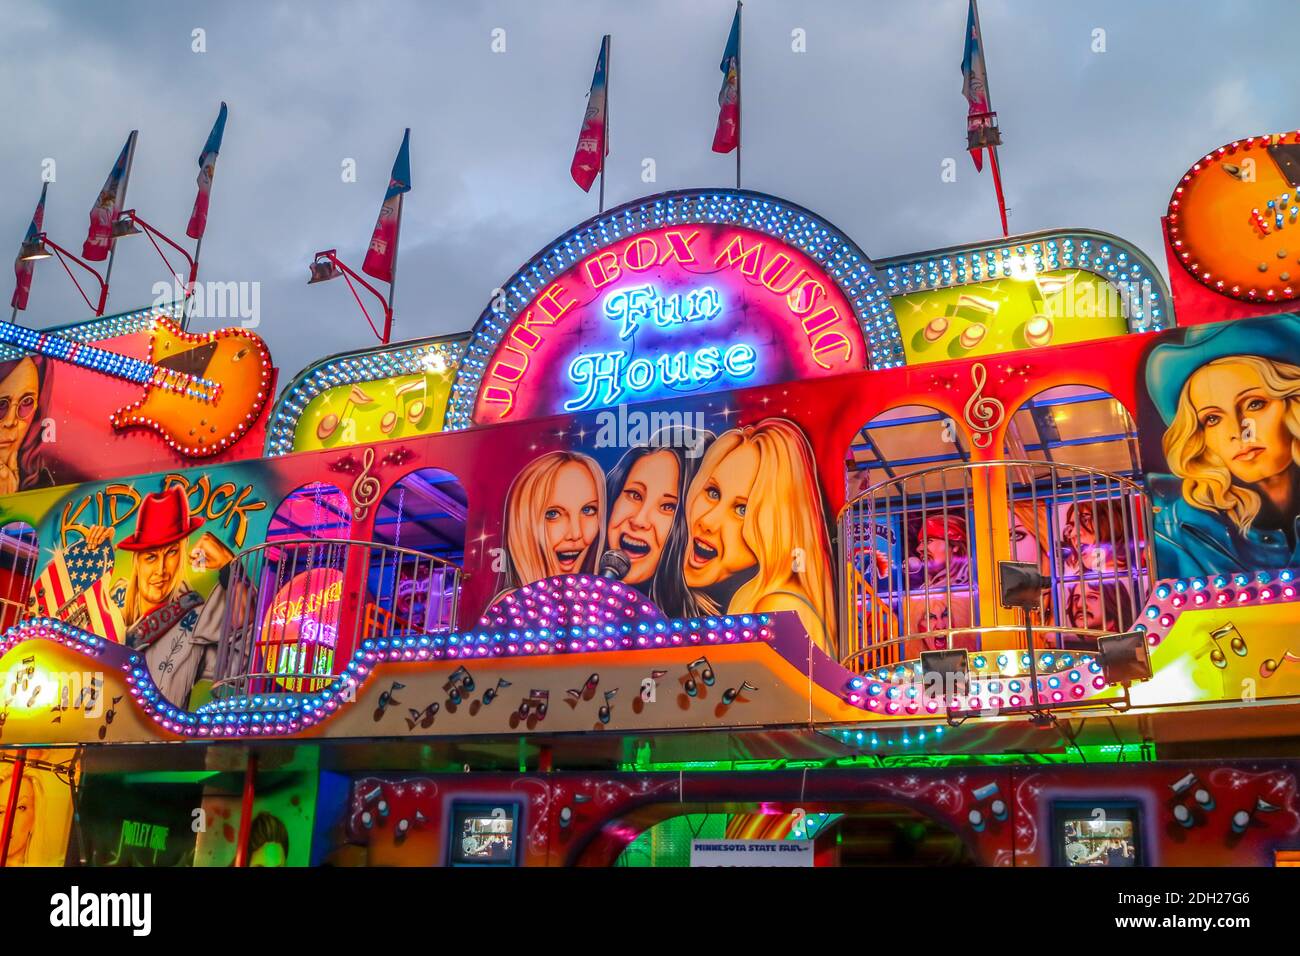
(163,519)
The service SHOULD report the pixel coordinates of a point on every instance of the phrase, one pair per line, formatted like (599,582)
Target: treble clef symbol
(983,415)
(365,490)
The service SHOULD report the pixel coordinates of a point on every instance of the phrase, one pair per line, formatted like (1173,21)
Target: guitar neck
(122,367)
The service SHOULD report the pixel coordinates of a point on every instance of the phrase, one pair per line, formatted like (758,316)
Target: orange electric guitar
(201,392)
(1234,220)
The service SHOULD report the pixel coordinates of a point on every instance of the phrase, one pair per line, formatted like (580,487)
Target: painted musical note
(982,414)
(1270,666)
(329,423)
(1244,818)
(537,702)
(417,408)
(705,674)
(996,806)
(365,489)
(422,717)
(1236,643)
(388,697)
(460,682)
(490,694)
(585,691)
(731,693)
(607,709)
(1185,787)
(108,717)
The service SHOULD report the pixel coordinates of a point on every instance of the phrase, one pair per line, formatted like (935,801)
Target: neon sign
(607,377)
(616,374)
(679,308)
(632,307)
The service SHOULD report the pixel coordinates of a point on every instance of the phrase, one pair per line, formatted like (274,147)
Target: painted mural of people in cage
(1229,397)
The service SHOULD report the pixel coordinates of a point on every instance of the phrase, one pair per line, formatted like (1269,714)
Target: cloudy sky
(855,128)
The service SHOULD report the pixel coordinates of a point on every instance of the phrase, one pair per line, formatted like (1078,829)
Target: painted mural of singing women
(1230,398)
(757,530)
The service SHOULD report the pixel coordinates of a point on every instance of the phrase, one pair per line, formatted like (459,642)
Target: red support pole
(11,805)
(997,186)
(246,812)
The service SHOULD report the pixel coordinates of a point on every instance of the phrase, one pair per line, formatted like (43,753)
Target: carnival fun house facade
(711,532)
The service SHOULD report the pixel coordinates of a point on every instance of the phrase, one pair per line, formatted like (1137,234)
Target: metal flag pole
(605,148)
(126,184)
(994,166)
(739,81)
(392,282)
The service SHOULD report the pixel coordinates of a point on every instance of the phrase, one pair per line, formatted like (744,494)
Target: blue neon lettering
(604,376)
(739,360)
(631,308)
(592,371)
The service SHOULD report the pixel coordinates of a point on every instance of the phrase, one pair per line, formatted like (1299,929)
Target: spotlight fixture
(1022,585)
(33,251)
(1124,658)
(323,268)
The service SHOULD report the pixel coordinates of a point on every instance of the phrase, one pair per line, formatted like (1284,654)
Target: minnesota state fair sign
(676,295)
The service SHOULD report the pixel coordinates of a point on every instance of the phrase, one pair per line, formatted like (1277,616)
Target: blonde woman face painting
(1235,436)
(572,517)
(716,517)
(554,514)
(1242,420)
(755,503)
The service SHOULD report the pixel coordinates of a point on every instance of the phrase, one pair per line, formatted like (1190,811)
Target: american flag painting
(73,588)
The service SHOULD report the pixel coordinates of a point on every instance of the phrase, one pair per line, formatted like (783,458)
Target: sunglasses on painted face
(26,407)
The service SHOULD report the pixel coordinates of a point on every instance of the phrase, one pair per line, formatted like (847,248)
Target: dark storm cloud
(856,128)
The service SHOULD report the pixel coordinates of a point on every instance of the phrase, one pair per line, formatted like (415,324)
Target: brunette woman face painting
(715,518)
(641,513)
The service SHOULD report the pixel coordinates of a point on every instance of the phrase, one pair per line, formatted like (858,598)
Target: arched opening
(422,520)
(861,834)
(287,624)
(907,537)
(1074,507)
(317,510)
(19,551)
(425,511)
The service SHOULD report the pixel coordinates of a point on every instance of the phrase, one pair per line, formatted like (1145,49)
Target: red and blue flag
(107,208)
(593,147)
(23,270)
(207,169)
(727,136)
(382,254)
(975,87)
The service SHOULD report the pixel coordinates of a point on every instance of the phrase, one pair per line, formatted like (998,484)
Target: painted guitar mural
(1234,219)
(202,392)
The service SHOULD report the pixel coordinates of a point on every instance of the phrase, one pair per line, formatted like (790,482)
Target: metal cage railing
(919,555)
(297,608)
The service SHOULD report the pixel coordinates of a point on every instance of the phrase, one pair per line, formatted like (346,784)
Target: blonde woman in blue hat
(1230,398)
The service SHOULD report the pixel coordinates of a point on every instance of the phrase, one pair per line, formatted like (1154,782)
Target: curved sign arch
(677,294)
